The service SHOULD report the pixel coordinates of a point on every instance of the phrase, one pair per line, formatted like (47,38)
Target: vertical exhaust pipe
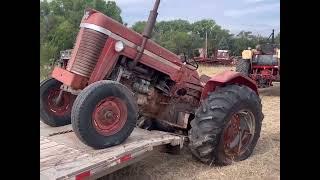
(272,40)
(147,32)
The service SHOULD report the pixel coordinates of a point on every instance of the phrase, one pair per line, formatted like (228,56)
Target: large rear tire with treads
(227,126)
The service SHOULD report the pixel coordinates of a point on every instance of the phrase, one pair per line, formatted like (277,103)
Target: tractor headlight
(119,46)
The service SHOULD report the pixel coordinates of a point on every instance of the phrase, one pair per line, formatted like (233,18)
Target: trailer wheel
(51,113)
(243,66)
(104,114)
(226,115)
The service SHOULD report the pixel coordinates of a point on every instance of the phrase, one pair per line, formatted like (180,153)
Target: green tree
(204,26)
(242,41)
(108,8)
(182,42)
(172,26)
(59,23)
(139,26)
(180,36)
(63,36)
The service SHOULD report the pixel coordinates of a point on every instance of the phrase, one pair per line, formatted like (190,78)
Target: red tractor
(117,79)
(261,64)
(218,57)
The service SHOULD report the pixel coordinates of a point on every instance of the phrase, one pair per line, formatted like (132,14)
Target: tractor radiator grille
(91,45)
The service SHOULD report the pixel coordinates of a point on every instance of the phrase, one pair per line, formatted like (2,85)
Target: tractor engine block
(142,86)
(145,93)
(154,102)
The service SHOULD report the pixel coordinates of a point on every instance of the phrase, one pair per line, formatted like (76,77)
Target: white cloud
(250,10)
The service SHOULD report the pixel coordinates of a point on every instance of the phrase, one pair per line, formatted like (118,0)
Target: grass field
(211,70)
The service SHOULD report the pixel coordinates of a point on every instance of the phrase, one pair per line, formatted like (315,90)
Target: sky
(257,16)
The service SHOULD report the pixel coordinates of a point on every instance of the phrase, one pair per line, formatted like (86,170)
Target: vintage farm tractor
(117,79)
(216,56)
(219,57)
(261,64)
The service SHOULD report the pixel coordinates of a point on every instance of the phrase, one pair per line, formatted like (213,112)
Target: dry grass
(263,164)
(211,70)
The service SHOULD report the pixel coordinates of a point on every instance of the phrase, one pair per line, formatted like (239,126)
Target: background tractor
(116,79)
(261,64)
(218,57)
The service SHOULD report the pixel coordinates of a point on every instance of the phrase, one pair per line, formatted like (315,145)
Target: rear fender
(226,78)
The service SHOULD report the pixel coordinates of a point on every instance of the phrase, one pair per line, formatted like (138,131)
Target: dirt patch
(271,91)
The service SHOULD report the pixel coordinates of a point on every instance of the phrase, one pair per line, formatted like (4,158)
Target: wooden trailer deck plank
(64,155)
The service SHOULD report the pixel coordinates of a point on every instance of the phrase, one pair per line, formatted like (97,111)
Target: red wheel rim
(238,134)
(63,107)
(109,116)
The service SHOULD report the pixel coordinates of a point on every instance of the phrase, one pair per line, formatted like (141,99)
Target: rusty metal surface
(68,78)
(172,110)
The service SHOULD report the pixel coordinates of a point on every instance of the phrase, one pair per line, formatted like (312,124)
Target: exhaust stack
(147,32)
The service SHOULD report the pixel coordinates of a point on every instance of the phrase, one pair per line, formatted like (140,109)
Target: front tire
(104,114)
(227,113)
(50,113)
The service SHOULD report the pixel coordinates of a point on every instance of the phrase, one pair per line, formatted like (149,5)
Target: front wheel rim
(63,107)
(109,116)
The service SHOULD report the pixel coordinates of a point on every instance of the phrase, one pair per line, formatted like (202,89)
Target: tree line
(60,19)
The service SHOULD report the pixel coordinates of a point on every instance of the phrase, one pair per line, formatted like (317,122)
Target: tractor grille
(91,45)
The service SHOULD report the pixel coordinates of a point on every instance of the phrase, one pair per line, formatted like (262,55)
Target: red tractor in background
(261,64)
(216,57)
(221,57)
(117,79)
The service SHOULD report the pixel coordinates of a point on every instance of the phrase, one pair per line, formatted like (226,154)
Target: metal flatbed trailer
(64,156)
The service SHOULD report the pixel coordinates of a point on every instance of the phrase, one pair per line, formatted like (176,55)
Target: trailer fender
(225,78)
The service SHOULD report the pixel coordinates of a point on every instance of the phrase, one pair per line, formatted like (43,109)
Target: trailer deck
(64,156)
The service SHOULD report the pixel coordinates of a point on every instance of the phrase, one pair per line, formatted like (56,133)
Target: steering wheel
(192,62)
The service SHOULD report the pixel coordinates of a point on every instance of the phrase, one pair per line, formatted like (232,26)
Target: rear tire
(243,66)
(51,114)
(104,114)
(207,133)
